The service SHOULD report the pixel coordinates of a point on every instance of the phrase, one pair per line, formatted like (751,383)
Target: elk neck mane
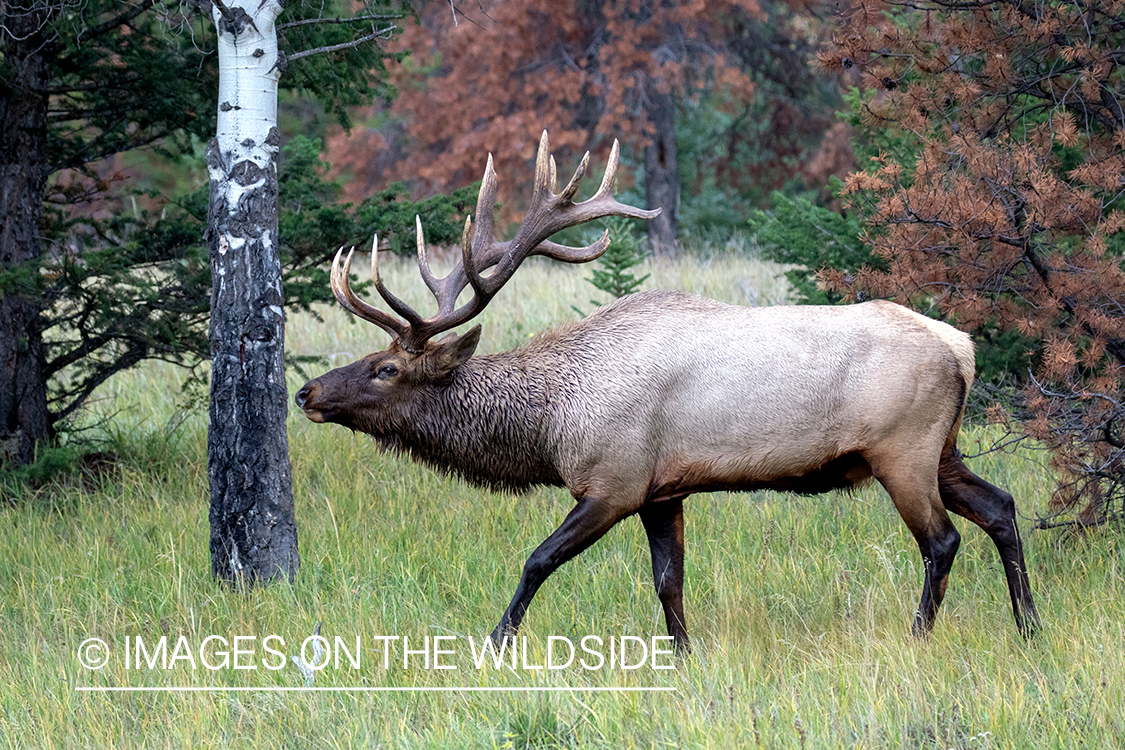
(484,424)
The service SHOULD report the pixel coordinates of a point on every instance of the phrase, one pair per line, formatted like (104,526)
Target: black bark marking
(253,530)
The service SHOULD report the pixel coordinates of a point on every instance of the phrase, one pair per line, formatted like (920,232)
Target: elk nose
(303,395)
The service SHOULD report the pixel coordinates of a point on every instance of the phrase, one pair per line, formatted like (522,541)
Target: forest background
(964,158)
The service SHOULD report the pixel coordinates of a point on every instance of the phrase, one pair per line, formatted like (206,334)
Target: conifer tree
(615,276)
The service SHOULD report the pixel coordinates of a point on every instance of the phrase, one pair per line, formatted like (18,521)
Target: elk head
(377,394)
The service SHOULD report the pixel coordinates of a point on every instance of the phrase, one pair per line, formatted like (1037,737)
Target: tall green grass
(799,607)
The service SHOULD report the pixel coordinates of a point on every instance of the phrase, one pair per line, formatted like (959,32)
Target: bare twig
(1075,525)
(455,10)
(354,19)
(380,33)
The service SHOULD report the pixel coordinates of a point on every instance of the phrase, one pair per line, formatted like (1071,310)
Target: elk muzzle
(306,398)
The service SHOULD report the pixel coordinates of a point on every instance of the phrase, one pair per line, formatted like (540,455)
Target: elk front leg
(664,524)
(586,523)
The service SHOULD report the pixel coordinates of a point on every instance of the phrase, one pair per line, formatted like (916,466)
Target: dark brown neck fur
(484,424)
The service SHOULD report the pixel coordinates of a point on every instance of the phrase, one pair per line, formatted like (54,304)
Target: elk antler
(550,212)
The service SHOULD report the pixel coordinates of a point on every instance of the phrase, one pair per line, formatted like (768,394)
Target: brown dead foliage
(1009,210)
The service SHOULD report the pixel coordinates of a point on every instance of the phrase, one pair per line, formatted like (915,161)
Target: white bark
(253,530)
(248,76)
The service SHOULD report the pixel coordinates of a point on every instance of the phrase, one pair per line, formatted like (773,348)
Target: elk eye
(386,371)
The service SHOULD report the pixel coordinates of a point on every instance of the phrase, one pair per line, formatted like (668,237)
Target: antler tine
(342,296)
(568,254)
(459,278)
(543,171)
(610,176)
(467,232)
(412,318)
(568,193)
(353,304)
(482,233)
(423,261)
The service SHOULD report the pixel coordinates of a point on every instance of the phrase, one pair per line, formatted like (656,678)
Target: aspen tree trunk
(25,52)
(253,531)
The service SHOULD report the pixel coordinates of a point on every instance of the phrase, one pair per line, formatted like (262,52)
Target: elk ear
(453,350)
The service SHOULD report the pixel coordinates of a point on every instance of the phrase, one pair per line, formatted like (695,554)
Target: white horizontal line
(376,689)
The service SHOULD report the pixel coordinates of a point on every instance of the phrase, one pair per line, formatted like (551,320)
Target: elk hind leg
(664,524)
(918,502)
(994,510)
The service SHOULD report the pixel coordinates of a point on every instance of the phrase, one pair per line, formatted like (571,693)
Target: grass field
(799,607)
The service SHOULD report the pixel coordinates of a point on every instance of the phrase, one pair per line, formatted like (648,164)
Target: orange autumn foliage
(583,70)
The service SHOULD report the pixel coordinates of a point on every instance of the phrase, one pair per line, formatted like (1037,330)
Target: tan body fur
(740,398)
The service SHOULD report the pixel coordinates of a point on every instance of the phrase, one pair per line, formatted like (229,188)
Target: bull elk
(664,394)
